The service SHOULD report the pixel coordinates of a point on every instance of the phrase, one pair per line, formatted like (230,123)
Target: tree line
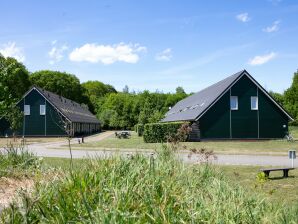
(116,110)
(289,98)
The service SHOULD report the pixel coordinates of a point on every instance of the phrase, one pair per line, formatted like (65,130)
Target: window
(234,102)
(42,110)
(254,103)
(27,109)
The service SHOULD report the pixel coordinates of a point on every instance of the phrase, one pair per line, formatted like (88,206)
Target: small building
(48,114)
(237,107)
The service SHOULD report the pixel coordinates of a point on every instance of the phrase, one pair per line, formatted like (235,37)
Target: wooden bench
(285,171)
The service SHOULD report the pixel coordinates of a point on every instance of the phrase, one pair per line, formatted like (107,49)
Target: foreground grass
(278,147)
(143,190)
(275,190)
(17,162)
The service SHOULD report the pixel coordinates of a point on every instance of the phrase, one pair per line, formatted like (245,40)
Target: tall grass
(139,189)
(14,160)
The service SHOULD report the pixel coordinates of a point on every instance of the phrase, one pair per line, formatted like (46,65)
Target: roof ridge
(221,81)
(237,74)
(70,108)
(190,107)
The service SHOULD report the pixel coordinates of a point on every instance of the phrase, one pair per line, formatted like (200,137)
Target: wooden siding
(50,124)
(244,121)
(272,119)
(219,122)
(215,123)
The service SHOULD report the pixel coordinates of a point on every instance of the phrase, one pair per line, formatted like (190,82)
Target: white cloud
(273,28)
(165,55)
(262,59)
(56,52)
(11,50)
(107,54)
(243,17)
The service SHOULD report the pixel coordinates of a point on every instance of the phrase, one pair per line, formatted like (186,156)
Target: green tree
(14,82)
(157,116)
(180,90)
(14,117)
(95,90)
(17,78)
(278,97)
(291,97)
(61,83)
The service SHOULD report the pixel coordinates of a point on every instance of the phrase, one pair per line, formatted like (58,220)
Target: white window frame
(26,110)
(251,103)
(231,98)
(42,112)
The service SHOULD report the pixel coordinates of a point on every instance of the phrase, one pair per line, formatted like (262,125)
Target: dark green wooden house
(237,107)
(46,114)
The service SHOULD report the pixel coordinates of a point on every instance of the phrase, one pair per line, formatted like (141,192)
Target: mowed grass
(274,147)
(276,189)
(18,141)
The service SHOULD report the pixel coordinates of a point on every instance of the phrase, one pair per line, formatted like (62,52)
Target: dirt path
(9,187)
(64,142)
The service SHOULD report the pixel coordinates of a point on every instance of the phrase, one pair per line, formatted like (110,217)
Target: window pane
(234,103)
(42,109)
(254,102)
(27,109)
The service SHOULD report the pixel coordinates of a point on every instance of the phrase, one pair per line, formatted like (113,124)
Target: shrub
(160,132)
(261,177)
(140,129)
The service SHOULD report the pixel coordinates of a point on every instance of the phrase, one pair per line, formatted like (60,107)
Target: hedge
(159,132)
(139,129)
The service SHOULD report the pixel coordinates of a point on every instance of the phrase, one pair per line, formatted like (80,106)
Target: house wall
(244,121)
(36,124)
(215,123)
(272,119)
(50,124)
(219,122)
(40,125)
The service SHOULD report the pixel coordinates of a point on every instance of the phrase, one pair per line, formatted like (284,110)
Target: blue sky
(156,44)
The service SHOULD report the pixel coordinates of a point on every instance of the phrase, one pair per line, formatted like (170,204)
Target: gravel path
(257,160)
(57,149)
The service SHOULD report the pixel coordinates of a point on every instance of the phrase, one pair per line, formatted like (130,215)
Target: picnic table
(122,134)
(285,171)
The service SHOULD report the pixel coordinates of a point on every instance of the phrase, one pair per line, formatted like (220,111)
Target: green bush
(159,132)
(140,129)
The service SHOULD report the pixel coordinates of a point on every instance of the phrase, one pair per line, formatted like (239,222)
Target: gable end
(257,84)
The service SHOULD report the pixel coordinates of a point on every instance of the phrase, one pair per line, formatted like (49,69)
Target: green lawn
(276,189)
(17,141)
(278,147)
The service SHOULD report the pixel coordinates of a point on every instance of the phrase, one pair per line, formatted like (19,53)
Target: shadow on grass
(279,178)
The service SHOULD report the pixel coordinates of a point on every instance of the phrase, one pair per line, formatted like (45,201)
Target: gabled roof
(72,110)
(194,106)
